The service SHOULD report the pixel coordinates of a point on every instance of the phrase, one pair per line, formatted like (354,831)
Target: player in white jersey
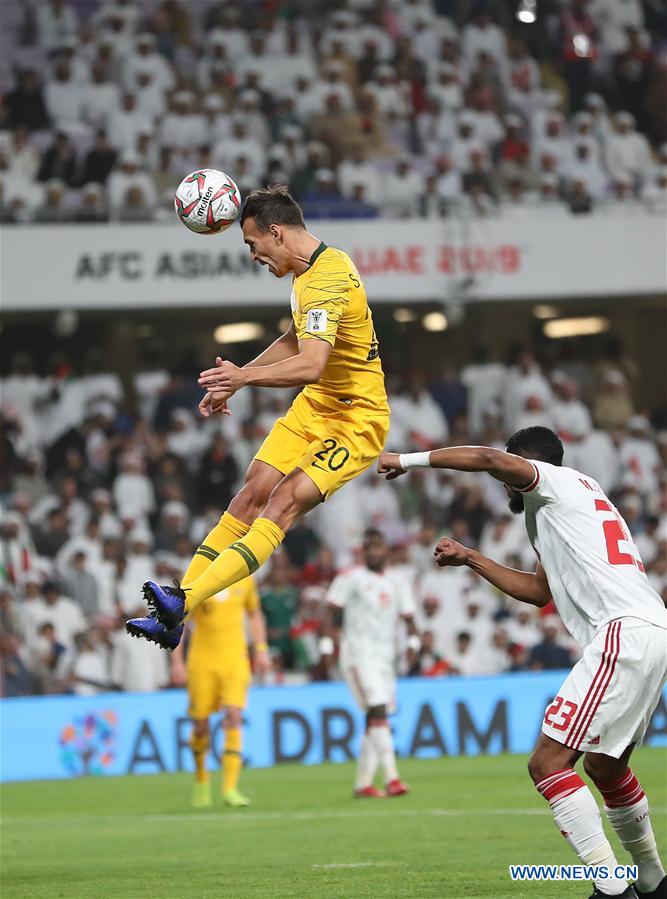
(589,565)
(373,600)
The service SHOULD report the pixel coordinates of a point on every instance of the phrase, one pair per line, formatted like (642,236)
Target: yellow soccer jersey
(329,303)
(219,624)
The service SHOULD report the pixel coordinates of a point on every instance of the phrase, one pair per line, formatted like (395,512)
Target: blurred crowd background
(417,108)
(102,491)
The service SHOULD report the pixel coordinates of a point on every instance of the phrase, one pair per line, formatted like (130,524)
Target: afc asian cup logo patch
(317,321)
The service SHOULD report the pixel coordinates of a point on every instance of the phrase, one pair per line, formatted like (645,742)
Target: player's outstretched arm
(283,348)
(522,585)
(305,367)
(512,470)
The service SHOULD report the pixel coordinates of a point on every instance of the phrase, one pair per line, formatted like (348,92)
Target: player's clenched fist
(215,404)
(390,466)
(449,552)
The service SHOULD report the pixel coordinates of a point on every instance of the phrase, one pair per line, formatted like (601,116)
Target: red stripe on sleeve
(533,484)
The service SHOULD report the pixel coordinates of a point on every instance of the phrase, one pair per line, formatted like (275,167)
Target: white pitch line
(348,865)
(236,817)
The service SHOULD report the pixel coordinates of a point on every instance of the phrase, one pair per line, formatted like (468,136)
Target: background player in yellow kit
(333,431)
(218,676)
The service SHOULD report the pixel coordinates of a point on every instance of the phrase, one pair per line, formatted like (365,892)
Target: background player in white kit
(374,600)
(591,568)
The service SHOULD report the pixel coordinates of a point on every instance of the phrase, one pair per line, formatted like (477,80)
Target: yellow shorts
(211,686)
(331,446)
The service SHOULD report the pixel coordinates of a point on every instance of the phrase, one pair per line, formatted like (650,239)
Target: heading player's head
(269,219)
(375,550)
(538,443)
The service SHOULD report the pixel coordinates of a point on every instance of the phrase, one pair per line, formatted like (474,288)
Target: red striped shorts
(607,700)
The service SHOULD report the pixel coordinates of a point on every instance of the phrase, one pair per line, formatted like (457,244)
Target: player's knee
(250,500)
(291,499)
(281,505)
(535,768)
(548,757)
(200,728)
(603,768)
(233,717)
(540,765)
(376,713)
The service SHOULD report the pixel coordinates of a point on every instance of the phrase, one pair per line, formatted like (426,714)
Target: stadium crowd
(105,487)
(365,108)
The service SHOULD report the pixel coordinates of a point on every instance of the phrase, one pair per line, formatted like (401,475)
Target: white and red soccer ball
(207,201)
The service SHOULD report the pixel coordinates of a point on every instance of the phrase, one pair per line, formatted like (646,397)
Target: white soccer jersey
(372,605)
(591,562)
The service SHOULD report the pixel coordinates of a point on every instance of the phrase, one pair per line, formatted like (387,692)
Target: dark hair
(373,534)
(538,443)
(272,206)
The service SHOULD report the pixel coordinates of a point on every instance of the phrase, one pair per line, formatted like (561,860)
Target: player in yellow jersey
(334,430)
(218,676)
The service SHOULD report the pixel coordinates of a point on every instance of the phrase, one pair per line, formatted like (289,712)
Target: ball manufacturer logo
(88,743)
(204,200)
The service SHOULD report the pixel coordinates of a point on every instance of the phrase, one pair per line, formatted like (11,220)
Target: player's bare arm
(305,367)
(261,657)
(214,402)
(522,585)
(506,467)
(283,348)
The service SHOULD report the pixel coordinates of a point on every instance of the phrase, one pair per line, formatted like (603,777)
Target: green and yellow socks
(223,534)
(239,560)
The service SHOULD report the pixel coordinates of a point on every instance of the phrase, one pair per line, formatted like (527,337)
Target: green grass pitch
(303,836)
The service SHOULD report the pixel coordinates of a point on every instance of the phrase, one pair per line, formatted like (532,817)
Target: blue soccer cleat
(154,631)
(168,603)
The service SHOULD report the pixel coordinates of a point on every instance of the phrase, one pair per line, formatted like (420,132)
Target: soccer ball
(207,201)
